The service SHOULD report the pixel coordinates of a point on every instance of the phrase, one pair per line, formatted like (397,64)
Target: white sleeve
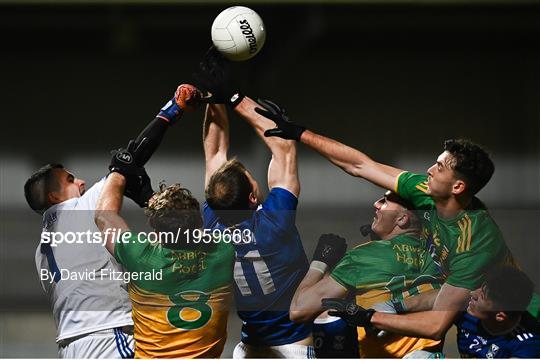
(89,199)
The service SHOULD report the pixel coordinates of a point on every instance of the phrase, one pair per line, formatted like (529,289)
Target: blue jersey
(333,338)
(475,342)
(268,269)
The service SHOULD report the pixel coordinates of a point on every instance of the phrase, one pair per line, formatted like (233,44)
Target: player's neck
(450,207)
(397,231)
(495,328)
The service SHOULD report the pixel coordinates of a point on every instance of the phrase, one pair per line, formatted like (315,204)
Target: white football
(238,33)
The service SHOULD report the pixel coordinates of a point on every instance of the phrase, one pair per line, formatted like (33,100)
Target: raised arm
(215,139)
(317,284)
(107,217)
(352,161)
(306,304)
(347,158)
(283,168)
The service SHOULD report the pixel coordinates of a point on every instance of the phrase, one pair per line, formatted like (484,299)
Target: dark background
(392,79)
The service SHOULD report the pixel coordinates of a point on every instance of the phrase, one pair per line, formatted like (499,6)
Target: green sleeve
(468,264)
(346,271)
(413,188)
(128,250)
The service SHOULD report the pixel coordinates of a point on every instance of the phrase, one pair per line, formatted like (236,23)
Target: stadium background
(393,78)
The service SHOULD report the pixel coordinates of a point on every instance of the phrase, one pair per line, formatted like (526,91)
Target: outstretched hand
(285,128)
(214,77)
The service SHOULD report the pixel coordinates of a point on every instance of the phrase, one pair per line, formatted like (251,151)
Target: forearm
(215,131)
(306,304)
(153,133)
(111,195)
(108,206)
(215,139)
(421,302)
(352,161)
(246,109)
(283,172)
(425,324)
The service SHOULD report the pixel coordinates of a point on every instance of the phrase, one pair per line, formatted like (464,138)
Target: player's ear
(501,316)
(403,220)
(53,198)
(253,198)
(459,187)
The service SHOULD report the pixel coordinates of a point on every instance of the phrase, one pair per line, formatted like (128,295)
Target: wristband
(171,112)
(319,266)
(236,99)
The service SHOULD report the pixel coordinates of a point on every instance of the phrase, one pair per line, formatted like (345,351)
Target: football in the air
(238,33)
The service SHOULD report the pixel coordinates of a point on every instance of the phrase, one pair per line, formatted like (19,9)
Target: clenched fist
(187,97)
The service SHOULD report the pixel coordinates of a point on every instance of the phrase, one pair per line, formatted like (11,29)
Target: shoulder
(409,179)
(477,224)
(366,251)
(280,199)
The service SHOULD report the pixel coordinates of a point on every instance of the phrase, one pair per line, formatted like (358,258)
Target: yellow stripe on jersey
(469,232)
(465,237)
(396,183)
(423,187)
(460,237)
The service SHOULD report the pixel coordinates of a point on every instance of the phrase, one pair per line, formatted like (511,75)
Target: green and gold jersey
(384,270)
(462,247)
(180,298)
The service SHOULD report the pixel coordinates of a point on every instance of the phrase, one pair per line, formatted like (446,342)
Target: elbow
(352,169)
(438,332)
(299,316)
(437,335)
(100,218)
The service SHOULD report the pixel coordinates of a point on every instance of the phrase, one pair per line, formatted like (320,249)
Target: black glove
(214,76)
(285,128)
(353,314)
(138,186)
(139,189)
(330,249)
(123,160)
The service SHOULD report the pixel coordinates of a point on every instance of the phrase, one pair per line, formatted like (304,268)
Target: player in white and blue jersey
(496,324)
(93,317)
(270,262)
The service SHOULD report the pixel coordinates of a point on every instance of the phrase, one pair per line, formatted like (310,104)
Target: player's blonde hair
(173,207)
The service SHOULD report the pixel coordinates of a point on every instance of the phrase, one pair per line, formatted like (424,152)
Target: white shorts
(243,351)
(110,344)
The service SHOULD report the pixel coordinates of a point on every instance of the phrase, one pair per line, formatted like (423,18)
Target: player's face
(69,186)
(254,198)
(386,214)
(480,305)
(441,177)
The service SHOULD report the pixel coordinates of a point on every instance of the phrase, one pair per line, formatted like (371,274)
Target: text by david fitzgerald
(102,274)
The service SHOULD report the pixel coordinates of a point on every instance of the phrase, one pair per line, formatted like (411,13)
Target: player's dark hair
(392,196)
(39,185)
(471,163)
(228,192)
(173,210)
(509,288)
